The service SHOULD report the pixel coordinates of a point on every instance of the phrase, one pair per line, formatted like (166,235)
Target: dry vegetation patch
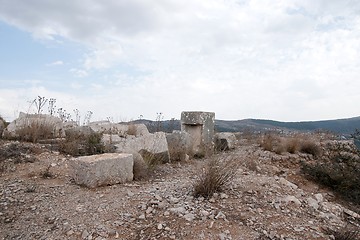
(338,167)
(219,172)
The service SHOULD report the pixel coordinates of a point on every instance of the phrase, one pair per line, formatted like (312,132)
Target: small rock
(173,200)
(149,210)
(319,197)
(178,210)
(158,197)
(313,203)
(159,226)
(204,213)
(292,199)
(220,215)
(70,232)
(142,217)
(84,234)
(189,217)
(287,183)
(222,236)
(223,196)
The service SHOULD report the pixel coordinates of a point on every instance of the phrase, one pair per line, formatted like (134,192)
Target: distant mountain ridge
(340,126)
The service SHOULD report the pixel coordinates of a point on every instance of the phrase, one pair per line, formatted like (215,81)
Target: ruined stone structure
(200,126)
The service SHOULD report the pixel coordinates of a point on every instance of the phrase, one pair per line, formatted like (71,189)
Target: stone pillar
(201,127)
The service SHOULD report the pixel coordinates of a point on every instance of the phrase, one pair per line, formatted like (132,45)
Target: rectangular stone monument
(201,127)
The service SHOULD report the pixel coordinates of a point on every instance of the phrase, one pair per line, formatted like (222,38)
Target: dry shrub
(47,174)
(153,159)
(345,233)
(36,130)
(272,143)
(140,169)
(339,169)
(131,129)
(219,172)
(78,143)
(15,153)
(292,145)
(267,142)
(310,147)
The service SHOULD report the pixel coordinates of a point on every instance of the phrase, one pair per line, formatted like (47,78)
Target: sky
(286,60)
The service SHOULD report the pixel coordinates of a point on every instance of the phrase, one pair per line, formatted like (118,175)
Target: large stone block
(154,144)
(201,127)
(225,141)
(37,122)
(122,130)
(179,144)
(101,170)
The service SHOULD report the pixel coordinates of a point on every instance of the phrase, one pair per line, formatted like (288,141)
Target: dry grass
(140,169)
(80,144)
(298,143)
(36,130)
(338,168)
(132,130)
(292,145)
(310,147)
(218,173)
(345,233)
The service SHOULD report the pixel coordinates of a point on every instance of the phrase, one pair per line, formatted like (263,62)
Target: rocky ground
(268,199)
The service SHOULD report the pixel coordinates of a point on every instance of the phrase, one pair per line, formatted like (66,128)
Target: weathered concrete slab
(201,127)
(101,170)
(155,144)
(225,141)
(179,144)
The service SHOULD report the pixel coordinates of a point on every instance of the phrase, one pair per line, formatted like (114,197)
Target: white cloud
(79,72)
(251,58)
(56,63)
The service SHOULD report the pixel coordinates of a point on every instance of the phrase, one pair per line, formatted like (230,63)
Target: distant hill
(340,126)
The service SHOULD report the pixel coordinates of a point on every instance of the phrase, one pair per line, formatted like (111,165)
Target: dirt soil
(268,199)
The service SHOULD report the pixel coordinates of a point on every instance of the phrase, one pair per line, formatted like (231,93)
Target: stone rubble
(272,202)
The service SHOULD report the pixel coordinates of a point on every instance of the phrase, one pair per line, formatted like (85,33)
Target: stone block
(201,127)
(104,169)
(179,145)
(154,144)
(197,118)
(122,130)
(38,122)
(225,141)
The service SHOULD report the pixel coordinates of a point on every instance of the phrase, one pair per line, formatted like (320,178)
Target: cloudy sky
(287,60)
